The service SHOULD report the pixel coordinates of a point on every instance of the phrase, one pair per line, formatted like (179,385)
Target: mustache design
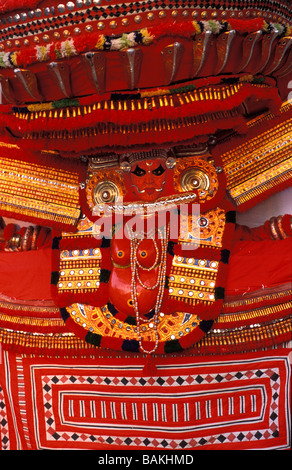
(141,191)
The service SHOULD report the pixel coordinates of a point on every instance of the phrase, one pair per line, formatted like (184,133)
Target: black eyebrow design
(158,171)
(138,171)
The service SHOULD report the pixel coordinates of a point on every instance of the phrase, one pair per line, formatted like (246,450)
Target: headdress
(92,75)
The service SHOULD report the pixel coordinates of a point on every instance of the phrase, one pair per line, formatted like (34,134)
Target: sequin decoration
(39,192)
(204,229)
(259,164)
(100,321)
(193,279)
(79,270)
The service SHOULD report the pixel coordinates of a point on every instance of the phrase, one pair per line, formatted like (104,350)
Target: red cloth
(26,275)
(255,265)
(235,402)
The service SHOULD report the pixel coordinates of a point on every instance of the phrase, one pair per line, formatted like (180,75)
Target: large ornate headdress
(91,79)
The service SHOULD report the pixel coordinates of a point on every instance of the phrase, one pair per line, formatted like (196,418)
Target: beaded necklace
(160,282)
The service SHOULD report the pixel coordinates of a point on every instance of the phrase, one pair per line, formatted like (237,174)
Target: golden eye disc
(105,192)
(194,178)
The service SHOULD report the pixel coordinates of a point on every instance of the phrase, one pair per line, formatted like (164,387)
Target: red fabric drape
(253,265)
(26,275)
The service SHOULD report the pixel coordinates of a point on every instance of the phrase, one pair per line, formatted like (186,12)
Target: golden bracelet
(26,241)
(280,227)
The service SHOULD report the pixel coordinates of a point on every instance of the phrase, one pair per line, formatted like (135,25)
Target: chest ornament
(147,290)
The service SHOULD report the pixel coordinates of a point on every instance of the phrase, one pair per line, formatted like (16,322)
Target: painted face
(148,179)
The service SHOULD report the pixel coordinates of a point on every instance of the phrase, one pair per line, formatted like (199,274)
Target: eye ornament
(158,171)
(139,171)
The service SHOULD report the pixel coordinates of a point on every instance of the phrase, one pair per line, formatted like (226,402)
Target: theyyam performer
(138,308)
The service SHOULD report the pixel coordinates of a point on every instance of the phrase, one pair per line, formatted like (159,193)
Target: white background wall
(278,204)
